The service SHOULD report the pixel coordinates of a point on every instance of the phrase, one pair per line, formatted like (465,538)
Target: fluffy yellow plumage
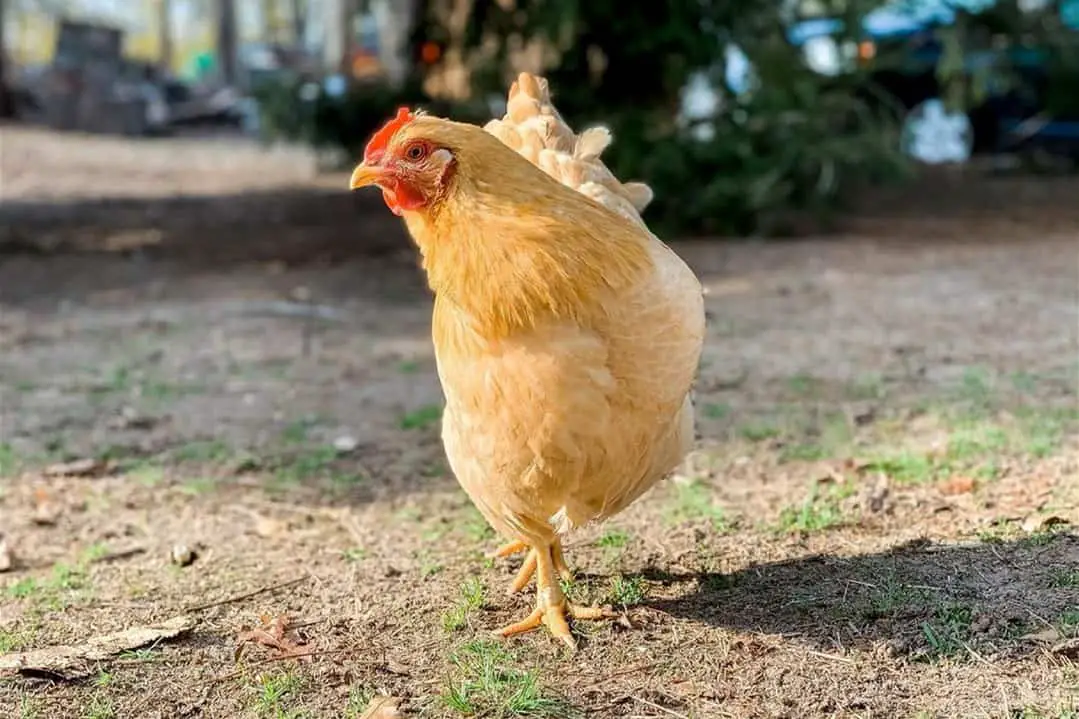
(567,336)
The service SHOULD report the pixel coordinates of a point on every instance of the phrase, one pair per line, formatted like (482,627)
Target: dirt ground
(879,519)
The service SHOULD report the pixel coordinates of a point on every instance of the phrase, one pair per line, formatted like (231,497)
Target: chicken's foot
(528,568)
(552,607)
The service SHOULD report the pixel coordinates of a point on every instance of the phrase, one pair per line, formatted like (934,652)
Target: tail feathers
(533,128)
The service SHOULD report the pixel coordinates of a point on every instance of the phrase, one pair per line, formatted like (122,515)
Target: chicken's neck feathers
(511,261)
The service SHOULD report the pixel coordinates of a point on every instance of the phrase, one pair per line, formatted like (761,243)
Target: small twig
(621,673)
(833,657)
(1002,558)
(663,709)
(271,660)
(975,655)
(118,555)
(247,595)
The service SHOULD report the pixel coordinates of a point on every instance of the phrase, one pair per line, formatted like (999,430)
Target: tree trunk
(7,102)
(299,23)
(164,30)
(337,34)
(271,21)
(395,19)
(226,40)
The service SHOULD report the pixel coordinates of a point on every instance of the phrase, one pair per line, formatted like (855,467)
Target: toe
(507,549)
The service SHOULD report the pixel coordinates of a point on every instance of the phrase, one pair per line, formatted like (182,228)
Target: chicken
(567,336)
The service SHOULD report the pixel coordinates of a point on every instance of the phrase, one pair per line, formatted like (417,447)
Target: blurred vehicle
(900,46)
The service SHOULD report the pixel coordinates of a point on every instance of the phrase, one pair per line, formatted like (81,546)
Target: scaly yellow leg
(552,608)
(528,568)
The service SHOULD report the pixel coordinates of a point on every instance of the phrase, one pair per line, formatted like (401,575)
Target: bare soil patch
(879,520)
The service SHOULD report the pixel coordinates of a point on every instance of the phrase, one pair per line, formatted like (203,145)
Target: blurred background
(217,377)
(745,120)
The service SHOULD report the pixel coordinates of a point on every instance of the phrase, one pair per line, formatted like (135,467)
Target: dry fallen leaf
(382,707)
(957,485)
(88,467)
(75,661)
(46,512)
(272,633)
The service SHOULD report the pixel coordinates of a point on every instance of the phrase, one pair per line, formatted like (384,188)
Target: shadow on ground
(289,225)
(924,599)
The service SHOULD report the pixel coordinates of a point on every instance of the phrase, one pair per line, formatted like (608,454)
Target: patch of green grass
(14,640)
(802,384)
(408,367)
(1061,578)
(146,474)
(866,387)
(892,597)
(716,411)
(1060,712)
(627,591)
(805,452)
(434,469)
(125,379)
(9,461)
(23,588)
(948,632)
(1068,622)
(613,538)
(28,708)
(905,467)
(421,418)
(299,431)
(65,584)
(308,463)
(99,707)
(997,532)
(429,564)
(976,386)
(203,450)
(694,501)
(359,697)
(145,654)
(471,599)
(1041,432)
(821,510)
(1024,382)
(354,554)
(971,443)
(484,682)
(475,527)
(275,693)
(759,431)
(198,485)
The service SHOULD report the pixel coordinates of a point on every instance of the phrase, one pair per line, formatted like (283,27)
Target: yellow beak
(363,176)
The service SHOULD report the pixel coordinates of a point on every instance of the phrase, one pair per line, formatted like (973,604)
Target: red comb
(377,144)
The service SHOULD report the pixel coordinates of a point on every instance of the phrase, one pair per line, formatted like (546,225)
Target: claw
(507,549)
(552,608)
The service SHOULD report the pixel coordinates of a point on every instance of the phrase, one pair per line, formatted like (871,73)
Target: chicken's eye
(415,152)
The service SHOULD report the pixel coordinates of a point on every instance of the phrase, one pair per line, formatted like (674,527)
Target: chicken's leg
(552,607)
(528,568)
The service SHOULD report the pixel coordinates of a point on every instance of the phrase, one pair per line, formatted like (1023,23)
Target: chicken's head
(406,159)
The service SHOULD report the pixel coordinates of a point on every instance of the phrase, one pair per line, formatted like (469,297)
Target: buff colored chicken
(566,335)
